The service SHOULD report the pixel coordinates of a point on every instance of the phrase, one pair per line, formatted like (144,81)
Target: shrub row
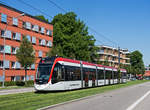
(18,83)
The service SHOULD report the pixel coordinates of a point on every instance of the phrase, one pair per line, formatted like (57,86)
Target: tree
(42,18)
(137,65)
(25,54)
(71,38)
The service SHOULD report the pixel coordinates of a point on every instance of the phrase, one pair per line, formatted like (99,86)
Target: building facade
(15,26)
(109,56)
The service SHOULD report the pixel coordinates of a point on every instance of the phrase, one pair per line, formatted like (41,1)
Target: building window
(12,78)
(35,28)
(43,42)
(49,32)
(1,78)
(1,48)
(17,36)
(102,50)
(22,78)
(32,77)
(7,49)
(27,78)
(33,66)
(7,32)
(18,78)
(40,53)
(14,50)
(27,25)
(4,18)
(1,64)
(34,40)
(28,37)
(40,42)
(15,21)
(18,66)
(2,33)
(42,30)
(49,44)
(6,64)
(13,65)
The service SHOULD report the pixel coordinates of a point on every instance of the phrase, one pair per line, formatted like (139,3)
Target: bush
(10,83)
(20,83)
(29,83)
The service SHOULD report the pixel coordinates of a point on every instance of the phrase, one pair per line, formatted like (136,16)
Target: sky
(125,22)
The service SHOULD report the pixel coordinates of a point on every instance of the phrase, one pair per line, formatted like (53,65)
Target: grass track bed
(32,101)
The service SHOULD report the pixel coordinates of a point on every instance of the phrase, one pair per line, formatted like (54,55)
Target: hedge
(18,83)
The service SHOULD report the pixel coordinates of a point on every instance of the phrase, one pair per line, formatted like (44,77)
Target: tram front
(43,74)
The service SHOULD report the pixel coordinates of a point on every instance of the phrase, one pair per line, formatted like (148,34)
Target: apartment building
(15,26)
(109,55)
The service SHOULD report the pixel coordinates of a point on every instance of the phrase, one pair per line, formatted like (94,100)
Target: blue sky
(126,22)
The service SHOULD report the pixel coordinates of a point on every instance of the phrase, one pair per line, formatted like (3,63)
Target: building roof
(147,73)
(26,14)
(124,51)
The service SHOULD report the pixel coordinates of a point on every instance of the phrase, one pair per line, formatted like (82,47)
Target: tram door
(93,80)
(86,79)
(89,77)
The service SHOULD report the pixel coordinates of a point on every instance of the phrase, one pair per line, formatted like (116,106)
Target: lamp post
(4,49)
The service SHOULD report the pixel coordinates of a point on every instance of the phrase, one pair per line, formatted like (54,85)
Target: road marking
(138,101)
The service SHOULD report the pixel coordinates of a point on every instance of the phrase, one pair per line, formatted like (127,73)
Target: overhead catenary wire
(52,2)
(65,12)
(99,34)
(103,36)
(21,1)
(57,6)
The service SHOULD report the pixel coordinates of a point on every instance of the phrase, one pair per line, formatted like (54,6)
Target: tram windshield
(44,70)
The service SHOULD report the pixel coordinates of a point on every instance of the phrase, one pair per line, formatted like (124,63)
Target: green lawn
(12,87)
(32,101)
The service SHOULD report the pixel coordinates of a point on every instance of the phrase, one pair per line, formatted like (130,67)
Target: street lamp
(4,49)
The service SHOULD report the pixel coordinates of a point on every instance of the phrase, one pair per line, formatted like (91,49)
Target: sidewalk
(17,90)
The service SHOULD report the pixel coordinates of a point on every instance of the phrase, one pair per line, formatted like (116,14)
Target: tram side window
(92,73)
(115,75)
(112,75)
(100,74)
(89,74)
(77,73)
(124,75)
(72,73)
(85,73)
(108,74)
(57,74)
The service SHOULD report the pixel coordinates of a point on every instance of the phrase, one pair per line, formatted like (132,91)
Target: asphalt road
(130,98)
(14,91)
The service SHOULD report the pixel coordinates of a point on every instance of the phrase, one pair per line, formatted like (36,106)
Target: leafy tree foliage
(25,54)
(71,38)
(137,65)
(42,18)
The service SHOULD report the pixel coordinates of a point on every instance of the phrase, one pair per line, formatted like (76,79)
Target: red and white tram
(56,73)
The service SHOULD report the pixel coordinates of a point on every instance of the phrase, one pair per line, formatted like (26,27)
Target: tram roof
(87,63)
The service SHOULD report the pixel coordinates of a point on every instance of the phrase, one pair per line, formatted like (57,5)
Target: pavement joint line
(131,107)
